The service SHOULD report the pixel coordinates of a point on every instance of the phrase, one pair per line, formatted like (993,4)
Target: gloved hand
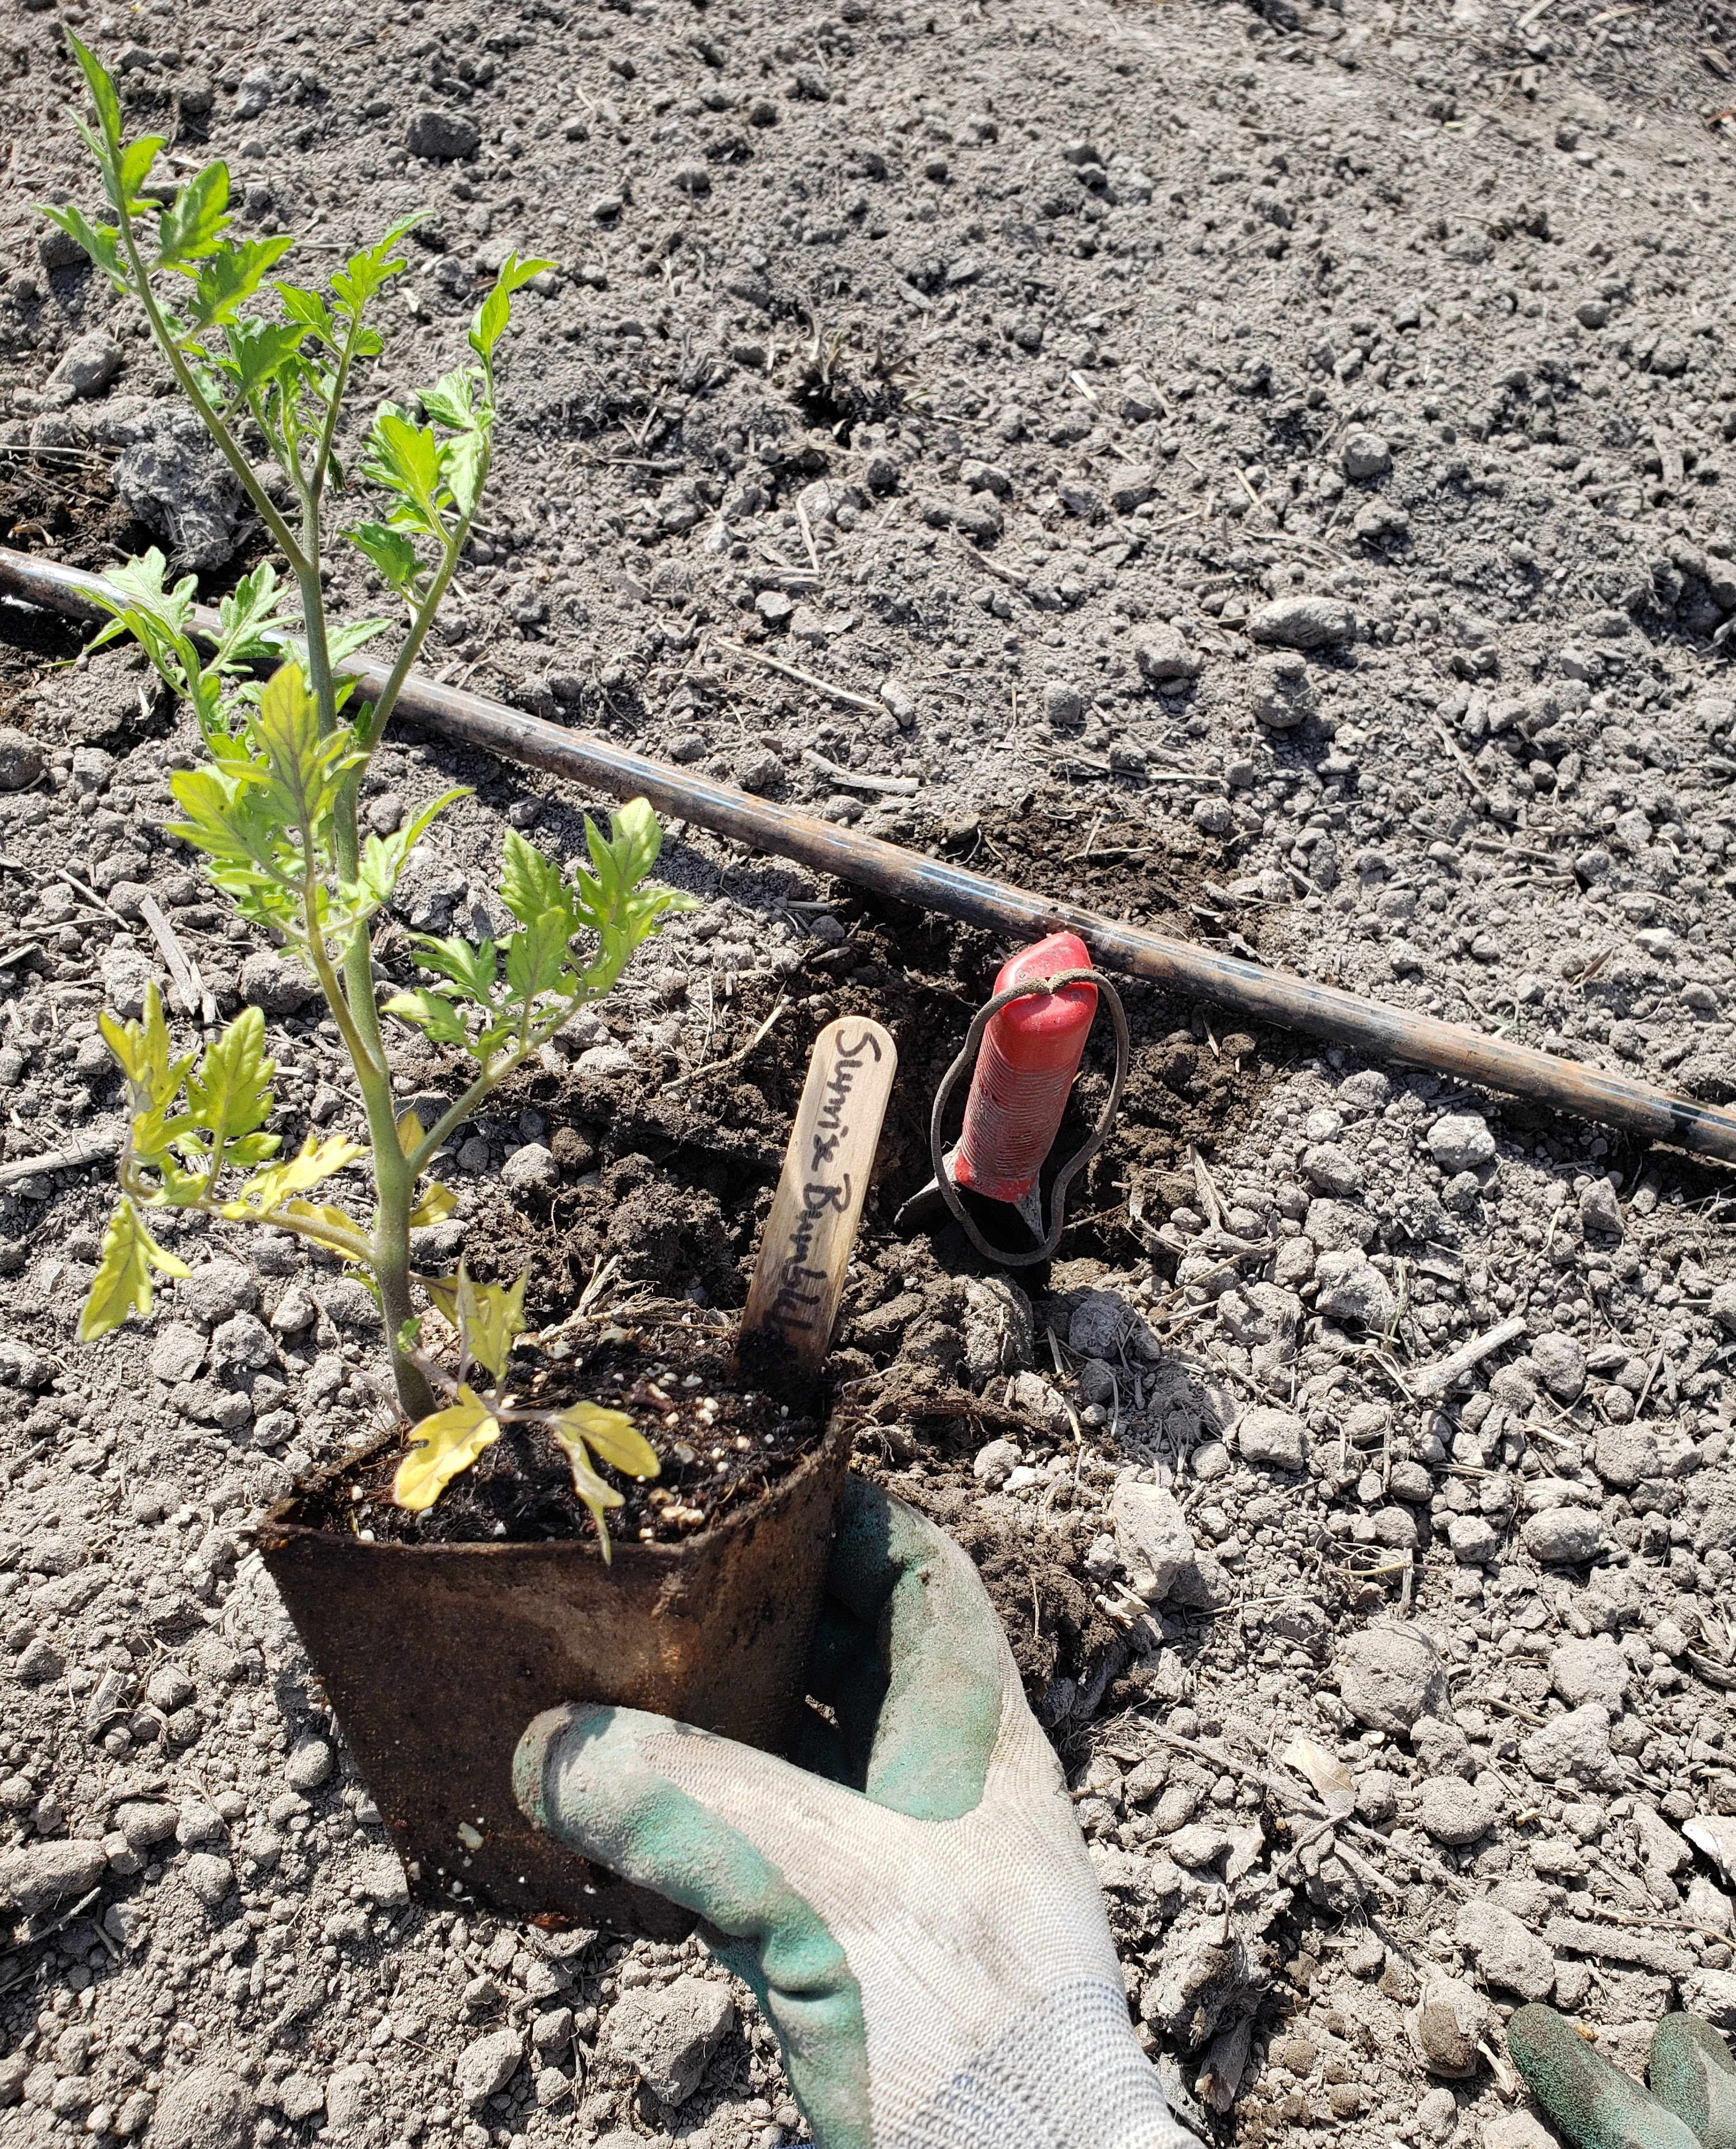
(914,1910)
(1693,2104)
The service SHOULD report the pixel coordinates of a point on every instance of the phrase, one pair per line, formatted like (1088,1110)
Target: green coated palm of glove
(914,1909)
(1692,2099)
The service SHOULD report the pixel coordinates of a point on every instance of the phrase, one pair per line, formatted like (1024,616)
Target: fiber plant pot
(435,1657)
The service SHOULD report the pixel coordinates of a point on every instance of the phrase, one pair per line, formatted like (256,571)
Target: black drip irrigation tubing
(1381,1033)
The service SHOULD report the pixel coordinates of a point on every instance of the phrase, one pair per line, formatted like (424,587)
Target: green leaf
(464,463)
(309,309)
(343,640)
(529,882)
(230,1094)
(103,91)
(636,837)
(598,1495)
(340,1228)
(100,241)
(435,1205)
(470,965)
(195,220)
(405,460)
(447,1442)
(394,556)
(488,1318)
(259,352)
(134,168)
(140,1048)
(536,957)
(122,1284)
(432,1014)
(452,399)
(366,274)
(232,275)
(489,323)
(248,619)
(139,584)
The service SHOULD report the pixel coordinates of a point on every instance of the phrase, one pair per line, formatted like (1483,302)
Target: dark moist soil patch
(672,1188)
(721,1446)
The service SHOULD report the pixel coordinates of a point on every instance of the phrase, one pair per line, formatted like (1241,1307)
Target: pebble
(275,985)
(1453,1811)
(1304,623)
(1575,1745)
(1450,2020)
(1626,1456)
(1152,1535)
(1365,456)
(347,2093)
(1516,2130)
(1560,1363)
(1388,1676)
(1509,1954)
(1276,1437)
(215,1290)
(669,2034)
(486,2065)
(1563,1537)
(1590,1670)
(1599,1209)
(1163,655)
(531,1169)
(209,1877)
(445,137)
(310,1766)
(994,1463)
(37,1875)
(1351,1288)
(178,1353)
(90,363)
(209,2108)
(21,760)
(1461,1142)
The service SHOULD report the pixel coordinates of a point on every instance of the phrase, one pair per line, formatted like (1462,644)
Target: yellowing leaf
(411,1133)
(311,1163)
(448,1443)
(140,1048)
(489,1318)
(612,1433)
(444,1291)
(597,1496)
(341,1228)
(122,1280)
(435,1205)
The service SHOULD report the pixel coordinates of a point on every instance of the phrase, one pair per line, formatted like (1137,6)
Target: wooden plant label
(818,1204)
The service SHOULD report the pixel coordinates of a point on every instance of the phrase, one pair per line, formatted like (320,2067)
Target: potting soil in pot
(721,1445)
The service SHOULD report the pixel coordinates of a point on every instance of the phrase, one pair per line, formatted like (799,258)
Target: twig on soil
(91,1149)
(60,1924)
(729,1059)
(89,895)
(191,992)
(841,694)
(858,779)
(1428,1382)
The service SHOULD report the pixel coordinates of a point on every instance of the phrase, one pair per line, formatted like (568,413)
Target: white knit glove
(930,1948)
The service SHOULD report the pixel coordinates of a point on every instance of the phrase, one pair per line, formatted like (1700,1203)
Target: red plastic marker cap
(1024,1072)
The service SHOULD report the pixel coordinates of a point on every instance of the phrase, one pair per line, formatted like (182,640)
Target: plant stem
(227,446)
(395,1183)
(424,614)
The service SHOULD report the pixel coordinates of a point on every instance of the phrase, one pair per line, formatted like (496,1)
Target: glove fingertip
(542,1736)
